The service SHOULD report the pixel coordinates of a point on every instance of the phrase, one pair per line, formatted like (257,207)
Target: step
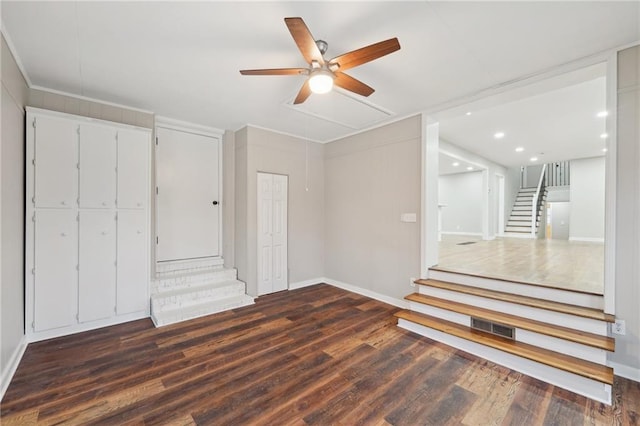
(195,311)
(177,267)
(576,336)
(521,223)
(565,308)
(181,297)
(587,369)
(521,229)
(193,279)
(517,235)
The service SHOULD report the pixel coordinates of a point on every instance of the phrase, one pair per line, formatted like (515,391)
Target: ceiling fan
(324,74)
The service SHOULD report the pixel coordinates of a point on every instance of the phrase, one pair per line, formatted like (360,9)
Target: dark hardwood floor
(318,355)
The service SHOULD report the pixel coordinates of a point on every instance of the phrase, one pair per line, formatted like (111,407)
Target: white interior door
(188,209)
(272,233)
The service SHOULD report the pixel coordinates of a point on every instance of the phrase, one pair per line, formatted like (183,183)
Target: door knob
(215,203)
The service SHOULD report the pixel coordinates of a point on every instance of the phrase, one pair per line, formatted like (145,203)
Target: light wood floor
(313,356)
(555,263)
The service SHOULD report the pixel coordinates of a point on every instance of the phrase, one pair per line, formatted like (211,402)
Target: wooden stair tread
(577,336)
(521,300)
(558,360)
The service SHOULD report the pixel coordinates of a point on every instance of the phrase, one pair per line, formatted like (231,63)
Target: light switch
(408,217)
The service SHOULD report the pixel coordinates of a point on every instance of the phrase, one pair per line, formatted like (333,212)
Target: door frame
(430,141)
(196,129)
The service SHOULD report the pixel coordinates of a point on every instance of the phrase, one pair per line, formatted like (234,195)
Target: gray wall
(586,220)
(462,194)
(371,179)
(627,263)
(14,97)
(259,150)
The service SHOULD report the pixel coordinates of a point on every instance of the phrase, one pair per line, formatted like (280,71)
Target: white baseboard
(587,240)
(12,366)
(305,283)
(625,371)
(368,293)
(468,234)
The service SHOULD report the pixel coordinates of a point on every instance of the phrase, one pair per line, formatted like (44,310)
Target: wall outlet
(412,283)
(619,327)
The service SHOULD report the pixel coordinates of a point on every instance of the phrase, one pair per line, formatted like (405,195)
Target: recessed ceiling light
(469,168)
(498,135)
(604,150)
(603,114)
(468,113)
(519,149)
(604,135)
(533,159)
(456,164)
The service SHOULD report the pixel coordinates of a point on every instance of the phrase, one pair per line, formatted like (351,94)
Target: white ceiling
(181,59)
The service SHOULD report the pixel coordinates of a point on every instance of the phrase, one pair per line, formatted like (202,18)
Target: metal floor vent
(493,328)
(466,243)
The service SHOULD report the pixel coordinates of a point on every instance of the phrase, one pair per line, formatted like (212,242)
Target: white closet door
(56,278)
(133,169)
(265,234)
(272,233)
(279,238)
(132,278)
(97,246)
(188,213)
(55,157)
(97,166)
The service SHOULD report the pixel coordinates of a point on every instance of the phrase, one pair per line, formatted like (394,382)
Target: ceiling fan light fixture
(321,81)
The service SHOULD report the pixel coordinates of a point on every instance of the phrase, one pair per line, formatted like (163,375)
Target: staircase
(191,289)
(557,336)
(520,221)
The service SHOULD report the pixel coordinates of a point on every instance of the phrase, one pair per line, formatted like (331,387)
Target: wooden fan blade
(303,94)
(351,84)
(365,54)
(305,41)
(276,71)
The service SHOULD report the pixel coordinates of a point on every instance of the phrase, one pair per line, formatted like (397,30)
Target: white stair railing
(536,201)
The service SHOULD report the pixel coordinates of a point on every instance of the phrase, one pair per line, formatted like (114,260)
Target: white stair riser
(185,266)
(573,349)
(539,292)
(161,303)
(517,235)
(185,281)
(570,321)
(166,318)
(572,382)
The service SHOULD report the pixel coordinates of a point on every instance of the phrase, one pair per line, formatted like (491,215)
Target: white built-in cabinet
(87,223)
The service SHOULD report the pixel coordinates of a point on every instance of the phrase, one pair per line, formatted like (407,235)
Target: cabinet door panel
(55,156)
(97,242)
(97,166)
(56,277)
(133,264)
(133,169)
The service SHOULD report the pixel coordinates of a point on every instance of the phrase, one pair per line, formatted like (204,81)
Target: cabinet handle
(215,203)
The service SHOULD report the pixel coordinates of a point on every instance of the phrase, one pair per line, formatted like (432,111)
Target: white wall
(489,208)
(14,97)
(586,221)
(627,262)
(463,196)
(511,189)
(259,150)
(371,179)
